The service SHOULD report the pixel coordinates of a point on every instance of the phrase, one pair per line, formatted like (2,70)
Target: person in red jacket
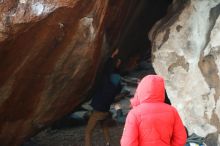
(151,122)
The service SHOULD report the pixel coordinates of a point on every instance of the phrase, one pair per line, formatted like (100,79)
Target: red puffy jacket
(151,122)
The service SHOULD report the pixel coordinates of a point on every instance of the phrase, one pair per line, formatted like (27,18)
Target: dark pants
(93,120)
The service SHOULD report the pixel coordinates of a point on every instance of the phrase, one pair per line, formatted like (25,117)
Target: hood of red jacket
(150,89)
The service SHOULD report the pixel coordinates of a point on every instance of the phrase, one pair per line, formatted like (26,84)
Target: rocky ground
(74,137)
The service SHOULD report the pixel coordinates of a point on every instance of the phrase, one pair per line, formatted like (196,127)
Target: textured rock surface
(16,13)
(186,53)
(50,52)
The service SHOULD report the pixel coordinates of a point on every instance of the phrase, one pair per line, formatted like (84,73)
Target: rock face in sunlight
(50,52)
(186,52)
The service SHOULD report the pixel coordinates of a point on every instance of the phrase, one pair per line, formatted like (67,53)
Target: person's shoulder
(137,110)
(133,114)
(134,111)
(172,109)
(168,107)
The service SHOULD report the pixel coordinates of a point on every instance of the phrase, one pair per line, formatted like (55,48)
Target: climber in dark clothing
(108,89)
(110,85)
(106,93)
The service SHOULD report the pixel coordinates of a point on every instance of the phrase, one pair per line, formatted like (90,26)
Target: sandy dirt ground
(75,137)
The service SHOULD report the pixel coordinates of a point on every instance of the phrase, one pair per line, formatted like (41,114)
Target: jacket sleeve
(179,136)
(130,133)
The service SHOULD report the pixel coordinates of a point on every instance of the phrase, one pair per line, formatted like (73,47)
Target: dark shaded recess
(134,41)
(130,36)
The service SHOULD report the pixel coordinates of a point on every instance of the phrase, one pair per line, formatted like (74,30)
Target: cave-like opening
(134,40)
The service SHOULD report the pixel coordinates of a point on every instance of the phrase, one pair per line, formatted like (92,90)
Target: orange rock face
(50,52)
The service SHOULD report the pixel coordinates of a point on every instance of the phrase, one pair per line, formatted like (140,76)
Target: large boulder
(186,52)
(50,52)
